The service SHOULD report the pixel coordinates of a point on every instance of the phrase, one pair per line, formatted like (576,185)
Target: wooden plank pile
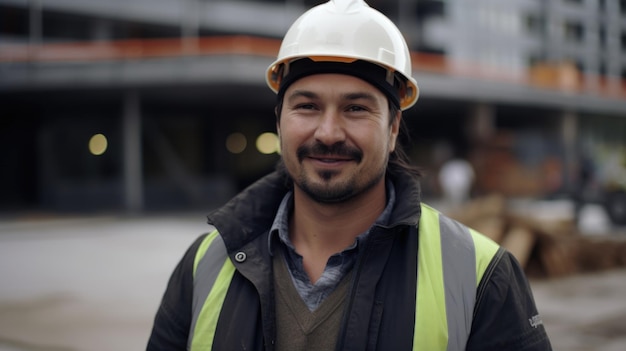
(544,246)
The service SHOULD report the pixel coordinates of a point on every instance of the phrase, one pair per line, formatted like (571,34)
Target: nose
(330,129)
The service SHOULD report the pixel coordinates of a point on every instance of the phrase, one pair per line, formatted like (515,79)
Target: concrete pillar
(406,13)
(614,48)
(554,31)
(591,45)
(481,124)
(569,135)
(101,30)
(190,24)
(35,27)
(132,136)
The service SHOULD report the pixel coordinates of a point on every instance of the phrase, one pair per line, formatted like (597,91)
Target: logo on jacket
(535,321)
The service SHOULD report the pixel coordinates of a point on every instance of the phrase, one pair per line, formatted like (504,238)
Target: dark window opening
(574,32)
(13,21)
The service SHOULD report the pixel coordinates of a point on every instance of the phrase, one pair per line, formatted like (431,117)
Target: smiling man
(334,250)
(336,133)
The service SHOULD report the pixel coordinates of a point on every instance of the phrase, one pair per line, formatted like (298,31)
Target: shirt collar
(280,226)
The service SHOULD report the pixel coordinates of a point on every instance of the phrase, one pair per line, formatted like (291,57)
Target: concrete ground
(94,284)
(584,312)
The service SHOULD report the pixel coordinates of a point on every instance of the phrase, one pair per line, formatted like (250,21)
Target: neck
(320,230)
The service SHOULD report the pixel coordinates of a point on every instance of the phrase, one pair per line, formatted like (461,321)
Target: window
(602,37)
(535,25)
(13,21)
(574,32)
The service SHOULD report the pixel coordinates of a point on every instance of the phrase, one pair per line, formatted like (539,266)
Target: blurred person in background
(456,177)
(334,250)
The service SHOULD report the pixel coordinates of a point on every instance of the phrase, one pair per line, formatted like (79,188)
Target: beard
(335,193)
(328,191)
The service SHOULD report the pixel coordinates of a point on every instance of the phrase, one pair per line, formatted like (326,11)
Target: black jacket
(380,311)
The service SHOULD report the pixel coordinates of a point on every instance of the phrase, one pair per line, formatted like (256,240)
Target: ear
(277,114)
(394,130)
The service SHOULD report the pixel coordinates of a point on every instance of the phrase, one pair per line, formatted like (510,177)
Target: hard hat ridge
(347,6)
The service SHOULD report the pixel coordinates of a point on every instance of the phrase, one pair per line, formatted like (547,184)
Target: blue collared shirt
(338,265)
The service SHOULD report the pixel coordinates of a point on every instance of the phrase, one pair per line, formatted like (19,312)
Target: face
(336,136)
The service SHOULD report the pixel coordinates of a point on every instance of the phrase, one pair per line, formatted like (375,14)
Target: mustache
(337,149)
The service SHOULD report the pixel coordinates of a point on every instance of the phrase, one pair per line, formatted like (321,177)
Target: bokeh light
(267,143)
(236,143)
(98,144)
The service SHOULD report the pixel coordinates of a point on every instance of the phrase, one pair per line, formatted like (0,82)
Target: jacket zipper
(353,288)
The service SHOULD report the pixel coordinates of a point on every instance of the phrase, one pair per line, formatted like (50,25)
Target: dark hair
(399,163)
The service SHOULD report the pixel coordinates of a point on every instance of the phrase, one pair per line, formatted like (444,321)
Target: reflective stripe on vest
(451,262)
(212,274)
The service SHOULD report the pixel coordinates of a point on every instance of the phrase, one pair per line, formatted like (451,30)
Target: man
(334,250)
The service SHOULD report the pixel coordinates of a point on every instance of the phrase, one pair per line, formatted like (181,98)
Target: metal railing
(556,76)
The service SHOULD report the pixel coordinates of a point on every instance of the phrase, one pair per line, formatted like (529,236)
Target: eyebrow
(348,96)
(301,93)
(359,95)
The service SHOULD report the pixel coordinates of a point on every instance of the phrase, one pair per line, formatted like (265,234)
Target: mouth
(333,155)
(330,159)
(329,162)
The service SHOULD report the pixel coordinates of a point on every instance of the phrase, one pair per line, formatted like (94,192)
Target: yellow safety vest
(452,259)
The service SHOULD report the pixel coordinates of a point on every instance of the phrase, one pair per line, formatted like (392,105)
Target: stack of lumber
(546,246)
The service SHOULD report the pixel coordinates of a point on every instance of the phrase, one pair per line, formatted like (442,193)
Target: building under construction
(142,105)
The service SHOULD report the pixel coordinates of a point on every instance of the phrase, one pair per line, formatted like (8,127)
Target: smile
(325,159)
(329,161)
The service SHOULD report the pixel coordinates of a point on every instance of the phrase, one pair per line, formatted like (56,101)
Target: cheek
(296,129)
(386,145)
(290,137)
(379,140)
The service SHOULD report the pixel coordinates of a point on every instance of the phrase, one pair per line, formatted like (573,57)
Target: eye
(356,108)
(305,106)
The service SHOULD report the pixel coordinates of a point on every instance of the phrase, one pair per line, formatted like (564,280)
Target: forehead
(329,84)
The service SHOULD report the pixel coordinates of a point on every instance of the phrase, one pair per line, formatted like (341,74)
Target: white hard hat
(346,31)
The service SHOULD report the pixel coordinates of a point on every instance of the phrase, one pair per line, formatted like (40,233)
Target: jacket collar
(252,212)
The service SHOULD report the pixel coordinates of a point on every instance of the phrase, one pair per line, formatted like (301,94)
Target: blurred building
(161,104)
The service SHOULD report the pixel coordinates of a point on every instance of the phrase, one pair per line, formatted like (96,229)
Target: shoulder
(503,277)
(197,247)
(173,319)
(505,315)
(181,279)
